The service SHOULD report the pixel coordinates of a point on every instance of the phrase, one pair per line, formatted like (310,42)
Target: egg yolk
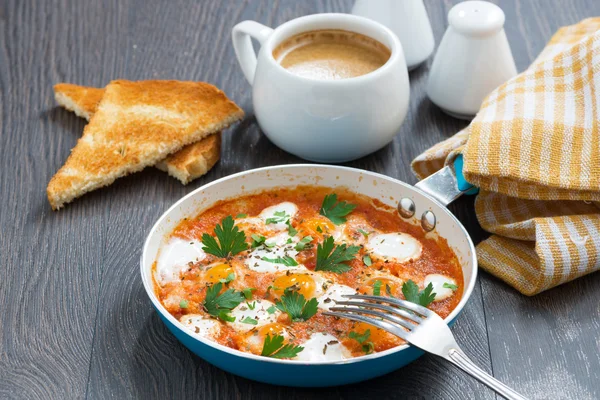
(316,227)
(385,283)
(218,272)
(303,283)
(377,336)
(272,330)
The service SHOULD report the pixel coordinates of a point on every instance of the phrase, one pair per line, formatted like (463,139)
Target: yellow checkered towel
(534,150)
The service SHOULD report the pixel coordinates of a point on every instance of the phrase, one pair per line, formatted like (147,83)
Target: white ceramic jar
(473,58)
(324,120)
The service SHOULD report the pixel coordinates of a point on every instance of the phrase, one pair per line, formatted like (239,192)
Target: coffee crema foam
(331,54)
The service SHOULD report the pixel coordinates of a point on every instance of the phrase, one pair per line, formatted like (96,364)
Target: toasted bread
(138,124)
(189,163)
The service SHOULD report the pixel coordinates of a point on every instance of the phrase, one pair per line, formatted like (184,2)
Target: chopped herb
(271,310)
(334,210)
(241,215)
(257,240)
(228,279)
(291,230)
(231,239)
(450,286)
(285,260)
(388,290)
(303,242)
(295,305)
(278,216)
(377,288)
(367,347)
(333,259)
(216,303)
(225,316)
(271,244)
(414,295)
(249,321)
(319,229)
(248,292)
(367,260)
(364,233)
(183,304)
(274,347)
(252,305)
(289,241)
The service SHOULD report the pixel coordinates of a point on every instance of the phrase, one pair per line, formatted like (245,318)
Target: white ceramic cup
(324,120)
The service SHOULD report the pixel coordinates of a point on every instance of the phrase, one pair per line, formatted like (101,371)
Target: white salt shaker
(408,19)
(473,59)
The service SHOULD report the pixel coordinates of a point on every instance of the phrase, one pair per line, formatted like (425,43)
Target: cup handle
(241,35)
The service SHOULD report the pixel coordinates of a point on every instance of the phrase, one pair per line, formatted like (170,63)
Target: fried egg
(334,292)
(387,280)
(217,271)
(318,227)
(201,326)
(263,258)
(323,347)
(255,339)
(175,257)
(356,231)
(399,247)
(437,281)
(289,209)
(257,310)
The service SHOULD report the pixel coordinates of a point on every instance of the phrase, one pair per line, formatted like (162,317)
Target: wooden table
(76,321)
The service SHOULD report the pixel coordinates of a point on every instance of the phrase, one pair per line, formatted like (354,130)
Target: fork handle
(458,358)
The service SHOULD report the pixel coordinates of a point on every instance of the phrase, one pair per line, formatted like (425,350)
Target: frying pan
(423,204)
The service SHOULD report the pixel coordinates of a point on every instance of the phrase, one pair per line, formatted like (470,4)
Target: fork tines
(384,309)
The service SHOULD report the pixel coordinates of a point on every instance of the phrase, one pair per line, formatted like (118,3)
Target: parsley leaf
(367,260)
(249,321)
(225,316)
(411,292)
(228,279)
(271,310)
(303,242)
(377,288)
(278,216)
(285,260)
(248,292)
(231,239)
(334,210)
(241,215)
(257,240)
(183,304)
(295,305)
(219,305)
(447,285)
(273,347)
(319,229)
(291,230)
(330,259)
(368,347)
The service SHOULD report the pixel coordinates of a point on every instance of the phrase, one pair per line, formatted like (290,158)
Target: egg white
(334,292)
(437,281)
(289,208)
(323,347)
(399,247)
(174,259)
(276,246)
(201,326)
(259,314)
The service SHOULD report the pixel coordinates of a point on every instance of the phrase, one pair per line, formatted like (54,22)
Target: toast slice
(189,163)
(138,124)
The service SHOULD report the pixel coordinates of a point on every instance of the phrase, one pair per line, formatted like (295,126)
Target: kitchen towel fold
(534,151)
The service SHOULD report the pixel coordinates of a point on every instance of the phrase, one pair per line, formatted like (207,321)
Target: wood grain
(76,321)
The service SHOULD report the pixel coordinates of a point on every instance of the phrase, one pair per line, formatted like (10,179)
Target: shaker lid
(476,18)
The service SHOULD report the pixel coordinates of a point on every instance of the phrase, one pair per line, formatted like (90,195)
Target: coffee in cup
(331,54)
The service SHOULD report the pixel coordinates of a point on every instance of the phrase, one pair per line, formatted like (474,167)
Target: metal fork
(418,326)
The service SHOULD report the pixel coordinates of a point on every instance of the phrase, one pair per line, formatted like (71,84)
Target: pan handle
(448,183)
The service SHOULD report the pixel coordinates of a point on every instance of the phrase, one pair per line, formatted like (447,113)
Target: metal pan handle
(448,183)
